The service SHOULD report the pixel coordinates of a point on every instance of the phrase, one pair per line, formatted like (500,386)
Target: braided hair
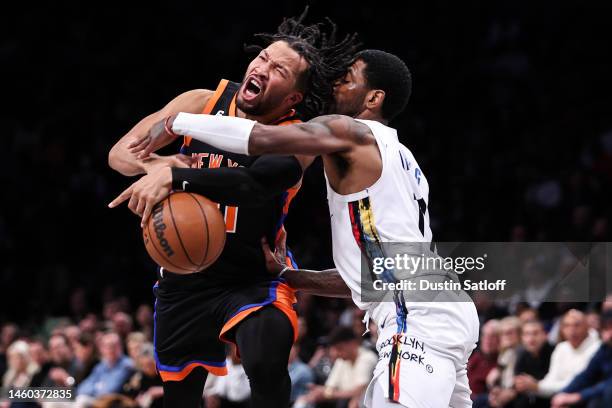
(327,58)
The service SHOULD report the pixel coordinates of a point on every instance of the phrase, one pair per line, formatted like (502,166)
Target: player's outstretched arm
(322,135)
(267,176)
(326,283)
(122,160)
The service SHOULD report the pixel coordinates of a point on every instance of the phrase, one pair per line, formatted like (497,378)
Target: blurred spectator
(63,364)
(144,318)
(483,361)
(501,379)
(145,386)
(8,334)
(527,314)
(568,359)
(230,391)
(72,332)
(300,373)
(351,372)
(122,324)
(533,361)
(109,375)
(21,368)
(593,319)
(134,342)
(593,386)
(86,356)
(607,304)
(40,356)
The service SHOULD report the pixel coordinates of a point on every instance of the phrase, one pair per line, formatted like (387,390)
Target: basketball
(185,233)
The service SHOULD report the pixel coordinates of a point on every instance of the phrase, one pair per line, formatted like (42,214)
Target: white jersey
(431,341)
(393,209)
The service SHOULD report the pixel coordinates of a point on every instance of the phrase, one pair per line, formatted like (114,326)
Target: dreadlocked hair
(327,58)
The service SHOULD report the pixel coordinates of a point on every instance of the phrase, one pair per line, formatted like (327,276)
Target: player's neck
(369,115)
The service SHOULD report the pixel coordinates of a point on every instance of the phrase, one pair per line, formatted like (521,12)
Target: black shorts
(193,319)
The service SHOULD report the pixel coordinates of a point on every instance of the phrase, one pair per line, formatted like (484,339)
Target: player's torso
(242,256)
(393,209)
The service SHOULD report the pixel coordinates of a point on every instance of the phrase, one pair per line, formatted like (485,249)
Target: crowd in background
(522,359)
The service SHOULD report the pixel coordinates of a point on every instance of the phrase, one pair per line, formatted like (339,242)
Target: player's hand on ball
(157,137)
(146,192)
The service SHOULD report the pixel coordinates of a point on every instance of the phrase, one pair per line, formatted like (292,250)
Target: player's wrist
(168,122)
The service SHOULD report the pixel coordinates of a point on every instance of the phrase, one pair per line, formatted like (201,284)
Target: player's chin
(249,107)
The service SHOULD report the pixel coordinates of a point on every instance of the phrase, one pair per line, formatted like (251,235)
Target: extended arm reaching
(322,135)
(326,283)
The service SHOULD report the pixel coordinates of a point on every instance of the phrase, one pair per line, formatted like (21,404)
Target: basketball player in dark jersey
(230,301)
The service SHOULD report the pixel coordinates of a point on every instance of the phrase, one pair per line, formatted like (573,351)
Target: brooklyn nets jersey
(393,209)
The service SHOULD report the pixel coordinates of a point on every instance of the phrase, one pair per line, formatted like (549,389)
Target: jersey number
(422,210)
(230,215)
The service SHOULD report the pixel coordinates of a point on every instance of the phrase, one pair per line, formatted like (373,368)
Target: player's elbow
(115,163)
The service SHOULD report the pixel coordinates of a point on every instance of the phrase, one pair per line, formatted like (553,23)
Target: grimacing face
(270,81)
(351,90)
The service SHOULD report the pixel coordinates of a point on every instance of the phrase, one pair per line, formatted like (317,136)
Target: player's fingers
(141,206)
(122,197)
(133,203)
(139,143)
(147,213)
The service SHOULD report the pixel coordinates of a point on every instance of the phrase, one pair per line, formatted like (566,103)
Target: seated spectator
(86,356)
(39,355)
(593,386)
(533,361)
(351,372)
(109,375)
(8,334)
(63,364)
(482,361)
(567,360)
(501,379)
(21,368)
(134,341)
(145,386)
(122,324)
(300,373)
(144,318)
(230,391)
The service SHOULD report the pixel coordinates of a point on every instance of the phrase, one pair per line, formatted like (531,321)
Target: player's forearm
(122,161)
(326,283)
(240,186)
(245,136)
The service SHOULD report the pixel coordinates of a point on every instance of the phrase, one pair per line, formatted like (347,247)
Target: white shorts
(430,371)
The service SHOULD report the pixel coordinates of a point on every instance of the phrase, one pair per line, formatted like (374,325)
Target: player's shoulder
(345,127)
(192,101)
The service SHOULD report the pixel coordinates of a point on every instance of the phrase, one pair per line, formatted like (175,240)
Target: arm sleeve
(587,377)
(553,381)
(595,391)
(241,186)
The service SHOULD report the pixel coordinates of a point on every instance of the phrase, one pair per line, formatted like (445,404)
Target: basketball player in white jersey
(377,193)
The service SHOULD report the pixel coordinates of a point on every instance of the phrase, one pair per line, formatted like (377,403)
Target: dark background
(510,121)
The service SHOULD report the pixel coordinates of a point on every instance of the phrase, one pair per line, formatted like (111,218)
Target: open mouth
(252,88)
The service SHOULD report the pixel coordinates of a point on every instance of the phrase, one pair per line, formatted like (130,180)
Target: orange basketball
(185,233)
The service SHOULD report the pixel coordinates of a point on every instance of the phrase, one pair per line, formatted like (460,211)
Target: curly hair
(327,58)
